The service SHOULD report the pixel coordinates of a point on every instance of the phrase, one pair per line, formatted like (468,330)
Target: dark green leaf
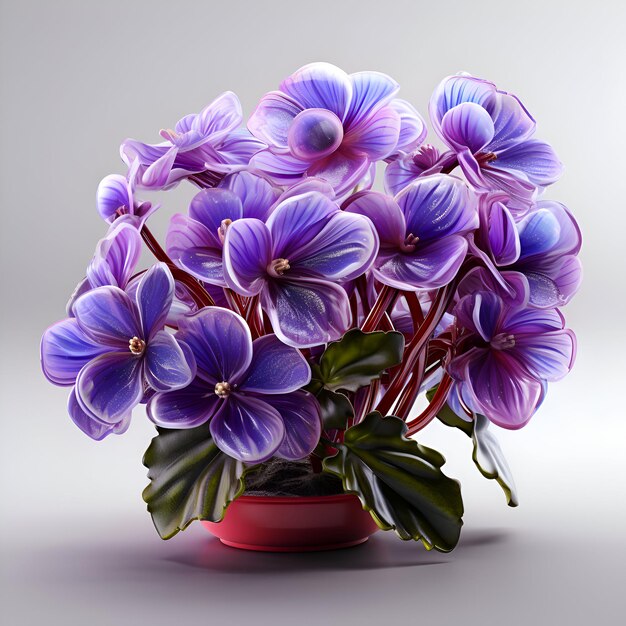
(191,479)
(399,482)
(490,461)
(358,358)
(336,409)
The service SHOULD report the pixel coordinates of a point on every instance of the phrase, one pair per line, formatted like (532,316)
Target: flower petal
(113,194)
(343,169)
(438,205)
(501,390)
(504,242)
(303,424)
(431,266)
(376,136)
(108,316)
(116,257)
(548,356)
(156,176)
(370,92)
(221,344)
(320,86)
(219,118)
(383,212)
(111,385)
(211,206)
(247,254)
(256,194)
(90,425)
(167,367)
(275,368)
(533,158)
(306,312)
(234,152)
(467,125)
(512,122)
(184,408)
(480,313)
(343,249)
(412,125)
(284,169)
(155,295)
(272,118)
(65,349)
(247,429)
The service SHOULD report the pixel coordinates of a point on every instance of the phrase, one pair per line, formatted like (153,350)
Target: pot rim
(252,499)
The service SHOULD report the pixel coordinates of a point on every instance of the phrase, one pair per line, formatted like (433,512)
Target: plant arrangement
(296,317)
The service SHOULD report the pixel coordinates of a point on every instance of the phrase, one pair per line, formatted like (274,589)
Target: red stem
(436,404)
(384,302)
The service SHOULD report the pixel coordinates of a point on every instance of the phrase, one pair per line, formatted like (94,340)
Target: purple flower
(195,242)
(113,262)
(542,247)
(422,161)
(247,389)
(422,231)
(200,145)
(326,123)
(294,263)
(506,354)
(491,133)
(115,349)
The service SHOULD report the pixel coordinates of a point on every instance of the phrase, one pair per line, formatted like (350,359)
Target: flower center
(503,341)
(278,267)
(409,243)
(314,134)
(136,345)
(221,231)
(222,390)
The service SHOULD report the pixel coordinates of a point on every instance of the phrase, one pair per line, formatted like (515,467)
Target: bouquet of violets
(295,318)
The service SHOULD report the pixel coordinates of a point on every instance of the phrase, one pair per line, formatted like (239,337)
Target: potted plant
(295,315)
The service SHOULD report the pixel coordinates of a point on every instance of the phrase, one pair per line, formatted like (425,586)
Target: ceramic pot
(294,524)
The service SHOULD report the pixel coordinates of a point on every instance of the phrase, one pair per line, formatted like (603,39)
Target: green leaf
(358,358)
(490,460)
(400,482)
(191,479)
(487,454)
(336,409)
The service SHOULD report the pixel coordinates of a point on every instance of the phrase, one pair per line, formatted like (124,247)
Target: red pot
(294,524)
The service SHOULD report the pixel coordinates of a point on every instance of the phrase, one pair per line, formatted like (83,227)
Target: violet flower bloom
(491,133)
(422,231)
(506,354)
(294,263)
(246,389)
(200,145)
(542,247)
(326,123)
(113,262)
(195,241)
(114,350)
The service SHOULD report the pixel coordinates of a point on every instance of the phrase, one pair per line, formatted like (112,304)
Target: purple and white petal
(211,207)
(467,125)
(113,194)
(370,92)
(111,385)
(248,429)
(157,174)
(548,356)
(219,118)
(320,86)
(303,424)
(189,407)
(91,425)
(412,126)
(376,136)
(155,295)
(221,344)
(108,316)
(65,349)
(438,205)
(502,235)
(512,122)
(256,194)
(383,212)
(534,159)
(275,368)
(167,366)
(234,152)
(272,118)
(306,312)
(284,169)
(343,169)
(247,255)
(481,313)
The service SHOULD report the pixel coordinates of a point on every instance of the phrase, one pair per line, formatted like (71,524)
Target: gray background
(77,545)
